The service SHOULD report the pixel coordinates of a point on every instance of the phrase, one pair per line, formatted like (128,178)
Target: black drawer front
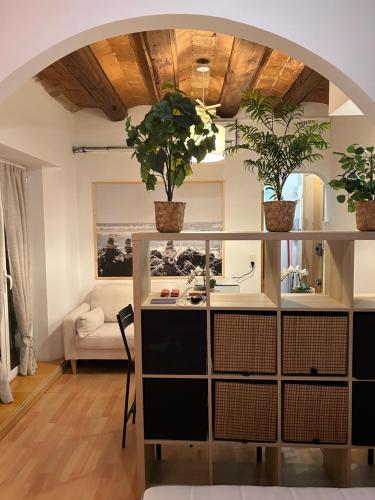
(174,342)
(175,409)
(364,345)
(363,417)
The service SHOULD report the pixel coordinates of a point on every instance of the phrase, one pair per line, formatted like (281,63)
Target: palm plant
(283,144)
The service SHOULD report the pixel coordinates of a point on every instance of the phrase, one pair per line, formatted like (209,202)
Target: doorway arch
(50,32)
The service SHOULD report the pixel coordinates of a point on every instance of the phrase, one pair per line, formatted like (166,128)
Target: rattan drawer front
(244,343)
(315,413)
(245,411)
(314,344)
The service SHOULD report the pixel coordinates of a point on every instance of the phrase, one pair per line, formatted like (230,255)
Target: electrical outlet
(252,258)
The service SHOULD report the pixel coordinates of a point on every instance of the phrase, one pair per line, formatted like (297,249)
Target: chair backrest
(125,318)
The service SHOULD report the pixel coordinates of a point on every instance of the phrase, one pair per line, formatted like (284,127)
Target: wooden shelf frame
(337,297)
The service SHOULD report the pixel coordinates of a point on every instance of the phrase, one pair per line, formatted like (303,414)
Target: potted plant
(171,134)
(357,179)
(297,279)
(283,144)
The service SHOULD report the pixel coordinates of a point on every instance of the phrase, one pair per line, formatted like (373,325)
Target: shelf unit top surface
(255,235)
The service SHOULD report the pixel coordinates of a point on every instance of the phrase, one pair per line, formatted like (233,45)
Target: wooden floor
(26,391)
(68,446)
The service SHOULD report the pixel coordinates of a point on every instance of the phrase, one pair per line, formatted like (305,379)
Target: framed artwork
(122,208)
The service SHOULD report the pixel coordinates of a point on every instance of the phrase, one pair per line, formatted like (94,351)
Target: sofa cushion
(111,298)
(108,336)
(90,321)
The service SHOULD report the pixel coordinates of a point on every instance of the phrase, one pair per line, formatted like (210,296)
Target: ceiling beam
(307,81)
(242,68)
(62,86)
(84,66)
(161,49)
(138,44)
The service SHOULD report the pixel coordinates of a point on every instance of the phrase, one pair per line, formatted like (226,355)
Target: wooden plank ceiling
(129,70)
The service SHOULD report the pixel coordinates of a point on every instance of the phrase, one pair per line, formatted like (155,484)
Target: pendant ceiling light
(206,113)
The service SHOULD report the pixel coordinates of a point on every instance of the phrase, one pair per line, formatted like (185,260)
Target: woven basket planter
(365,215)
(245,411)
(244,343)
(279,215)
(169,216)
(314,344)
(315,413)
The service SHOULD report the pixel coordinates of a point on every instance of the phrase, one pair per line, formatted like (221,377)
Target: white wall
(38,131)
(36,128)
(242,192)
(349,130)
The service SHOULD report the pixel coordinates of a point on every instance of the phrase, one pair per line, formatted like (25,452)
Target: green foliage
(163,144)
(357,178)
(283,143)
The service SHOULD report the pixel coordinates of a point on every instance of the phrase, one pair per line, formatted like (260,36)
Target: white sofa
(256,493)
(105,342)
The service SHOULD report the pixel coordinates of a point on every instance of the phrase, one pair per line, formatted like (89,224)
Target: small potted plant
(171,134)
(357,179)
(297,278)
(283,143)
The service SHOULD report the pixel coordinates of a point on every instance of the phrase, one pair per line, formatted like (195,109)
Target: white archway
(324,35)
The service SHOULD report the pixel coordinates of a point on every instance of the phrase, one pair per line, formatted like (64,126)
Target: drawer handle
(313,371)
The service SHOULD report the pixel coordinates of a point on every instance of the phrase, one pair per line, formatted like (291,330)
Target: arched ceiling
(118,73)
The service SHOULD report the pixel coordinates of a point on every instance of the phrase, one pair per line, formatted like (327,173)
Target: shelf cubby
(175,409)
(178,464)
(364,276)
(213,396)
(174,342)
(239,464)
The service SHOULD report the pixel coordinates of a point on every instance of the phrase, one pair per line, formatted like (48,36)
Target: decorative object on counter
(284,142)
(357,179)
(297,282)
(165,142)
(199,272)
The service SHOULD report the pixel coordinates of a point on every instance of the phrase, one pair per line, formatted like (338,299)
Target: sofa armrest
(69,330)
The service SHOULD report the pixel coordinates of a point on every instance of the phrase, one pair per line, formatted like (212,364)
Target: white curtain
(13,195)
(5,392)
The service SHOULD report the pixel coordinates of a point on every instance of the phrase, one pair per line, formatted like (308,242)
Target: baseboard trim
(33,398)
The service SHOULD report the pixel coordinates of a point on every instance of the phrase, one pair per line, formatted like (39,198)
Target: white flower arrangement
(297,274)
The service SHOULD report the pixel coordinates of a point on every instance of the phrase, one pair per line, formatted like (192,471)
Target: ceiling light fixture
(207,114)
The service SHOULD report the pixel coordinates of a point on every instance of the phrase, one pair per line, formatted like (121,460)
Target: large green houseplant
(282,142)
(171,134)
(358,180)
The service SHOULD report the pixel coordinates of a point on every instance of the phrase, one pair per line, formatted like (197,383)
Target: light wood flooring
(68,446)
(26,392)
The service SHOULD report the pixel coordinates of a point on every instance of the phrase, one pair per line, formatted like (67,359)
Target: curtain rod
(11,163)
(93,149)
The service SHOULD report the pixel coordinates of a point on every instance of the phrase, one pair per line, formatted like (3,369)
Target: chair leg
(259,454)
(126,405)
(370,456)
(158,452)
(73,364)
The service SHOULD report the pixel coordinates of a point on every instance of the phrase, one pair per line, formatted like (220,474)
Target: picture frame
(122,207)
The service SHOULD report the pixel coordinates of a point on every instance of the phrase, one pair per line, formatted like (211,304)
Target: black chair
(125,318)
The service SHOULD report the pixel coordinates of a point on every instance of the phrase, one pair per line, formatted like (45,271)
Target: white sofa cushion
(108,336)
(111,298)
(255,493)
(90,321)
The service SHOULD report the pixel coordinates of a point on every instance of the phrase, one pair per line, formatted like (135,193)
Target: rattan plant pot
(365,215)
(279,215)
(169,216)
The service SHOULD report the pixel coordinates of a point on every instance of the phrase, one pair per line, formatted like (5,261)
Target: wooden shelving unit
(183,399)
